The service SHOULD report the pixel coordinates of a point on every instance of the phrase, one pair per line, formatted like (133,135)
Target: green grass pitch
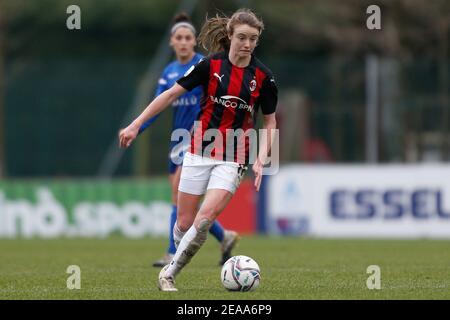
(291,269)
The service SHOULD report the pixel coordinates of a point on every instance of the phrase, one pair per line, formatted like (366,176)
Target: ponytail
(213,36)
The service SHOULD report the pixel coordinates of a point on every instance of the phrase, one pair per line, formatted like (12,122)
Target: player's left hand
(257,170)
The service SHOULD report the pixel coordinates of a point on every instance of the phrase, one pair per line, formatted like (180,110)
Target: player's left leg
(227,176)
(188,204)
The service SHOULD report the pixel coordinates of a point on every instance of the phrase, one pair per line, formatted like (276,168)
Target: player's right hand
(127,135)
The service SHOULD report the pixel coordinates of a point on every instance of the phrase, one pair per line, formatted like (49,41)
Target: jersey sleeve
(268,98)
(196,75)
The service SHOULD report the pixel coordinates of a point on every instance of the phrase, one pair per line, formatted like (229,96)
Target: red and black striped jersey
(232,97)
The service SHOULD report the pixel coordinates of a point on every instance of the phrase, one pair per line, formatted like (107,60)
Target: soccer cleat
(166,283)
(163,261)
(228,243)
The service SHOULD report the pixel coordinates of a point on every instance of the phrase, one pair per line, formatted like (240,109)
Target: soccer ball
(240,273)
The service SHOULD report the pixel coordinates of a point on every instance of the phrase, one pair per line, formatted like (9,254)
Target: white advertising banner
(383,201)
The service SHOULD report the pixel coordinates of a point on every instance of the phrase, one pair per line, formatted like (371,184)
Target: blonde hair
(213,36)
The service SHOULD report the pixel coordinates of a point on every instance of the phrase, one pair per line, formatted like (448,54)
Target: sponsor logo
(47,217)
(185,101)
(172,75)
(365,204)
(234,102)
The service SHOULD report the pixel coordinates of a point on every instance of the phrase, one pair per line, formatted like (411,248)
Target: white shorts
(200,174)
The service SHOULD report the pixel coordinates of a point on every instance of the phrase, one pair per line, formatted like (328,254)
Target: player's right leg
(187,208)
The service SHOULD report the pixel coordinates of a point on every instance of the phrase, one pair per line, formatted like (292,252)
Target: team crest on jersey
(252,85)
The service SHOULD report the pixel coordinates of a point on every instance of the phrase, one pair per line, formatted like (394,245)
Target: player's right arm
(195,76)
(268,100)
(127,135)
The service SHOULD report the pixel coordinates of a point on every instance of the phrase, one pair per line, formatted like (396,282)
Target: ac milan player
(236,84)
(185,111)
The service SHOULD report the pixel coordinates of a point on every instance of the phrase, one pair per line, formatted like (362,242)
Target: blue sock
(217,230)
(173,219)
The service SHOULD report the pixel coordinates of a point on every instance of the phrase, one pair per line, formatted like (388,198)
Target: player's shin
(188,247)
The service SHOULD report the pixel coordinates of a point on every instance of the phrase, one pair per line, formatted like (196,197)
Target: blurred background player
(185,112)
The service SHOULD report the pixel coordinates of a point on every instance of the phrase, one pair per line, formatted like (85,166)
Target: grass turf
(291,269)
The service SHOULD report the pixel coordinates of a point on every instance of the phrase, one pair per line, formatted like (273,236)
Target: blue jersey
(185,109)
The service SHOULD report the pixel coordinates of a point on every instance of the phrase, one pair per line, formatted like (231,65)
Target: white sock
(188,247)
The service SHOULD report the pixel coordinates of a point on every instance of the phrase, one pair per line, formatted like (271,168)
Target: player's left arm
(268,101)
(270,124)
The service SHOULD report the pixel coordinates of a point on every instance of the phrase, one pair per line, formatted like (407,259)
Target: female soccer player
(185,111)
(236,85)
